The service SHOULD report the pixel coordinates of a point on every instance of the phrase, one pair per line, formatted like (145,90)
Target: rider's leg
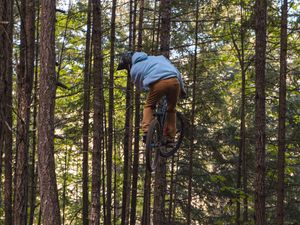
(172,97)
(156,92)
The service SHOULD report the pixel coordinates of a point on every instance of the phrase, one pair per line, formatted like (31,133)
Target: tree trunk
(47,85)
(242,158)
(103,185)
(165,27)
(160,173)
(191,153)
(243,117)
(111,101)
(172,186)
(147,199)
(175,192)
(243,149)
(136,123)
(127,153)
(260,111)
(98,114)
(24,89)
(86,117)
(153,42)
(64,184)
(33,169)
(282,114)
(128,131)
(115,185)
(6,49)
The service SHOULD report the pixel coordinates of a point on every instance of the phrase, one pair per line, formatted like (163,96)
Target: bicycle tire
(178,139)
(153,142)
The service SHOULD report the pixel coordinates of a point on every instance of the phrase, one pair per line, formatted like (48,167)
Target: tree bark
(153,42)
(6,49)
(33,169)
(98,114)
(147,199)
(136,123)
(260,111)
(111,99)
(64,184)
(243,122)
(282,114)
(172,187)
(192,147)
(25,74)
(160,173)
(103,185)
(86,117)
(128,130)
(165,27)
(47,88)
(127,153)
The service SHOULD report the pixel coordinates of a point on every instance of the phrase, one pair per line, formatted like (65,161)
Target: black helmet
(125,61)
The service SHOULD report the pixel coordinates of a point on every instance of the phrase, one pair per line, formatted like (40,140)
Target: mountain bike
(156,143)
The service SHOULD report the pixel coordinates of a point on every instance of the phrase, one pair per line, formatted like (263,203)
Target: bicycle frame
(161,111)
(156,143)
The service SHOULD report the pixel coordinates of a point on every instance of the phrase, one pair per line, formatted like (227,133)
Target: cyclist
(160,77)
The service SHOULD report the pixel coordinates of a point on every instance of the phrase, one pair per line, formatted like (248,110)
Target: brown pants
(169,88)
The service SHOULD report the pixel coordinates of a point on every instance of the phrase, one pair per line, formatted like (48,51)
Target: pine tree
(282,114)
(25,74)
(47,86)
(6,72)
(98,115)
(86,116)
(260,110)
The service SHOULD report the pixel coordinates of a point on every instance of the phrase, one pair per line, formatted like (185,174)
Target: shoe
(170,142)
(144,138)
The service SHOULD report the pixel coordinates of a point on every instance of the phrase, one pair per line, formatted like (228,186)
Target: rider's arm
(182,89)
(136,78)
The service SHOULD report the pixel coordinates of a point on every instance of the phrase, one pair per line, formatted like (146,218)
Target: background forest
(69,122)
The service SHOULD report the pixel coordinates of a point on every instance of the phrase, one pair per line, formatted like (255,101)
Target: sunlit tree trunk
(47,87)
(260,110)
(282,114)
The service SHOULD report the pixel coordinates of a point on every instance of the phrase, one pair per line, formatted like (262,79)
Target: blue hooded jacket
(146,70)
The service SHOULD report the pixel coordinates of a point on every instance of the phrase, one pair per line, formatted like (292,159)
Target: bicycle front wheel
(167,152)
(153,143)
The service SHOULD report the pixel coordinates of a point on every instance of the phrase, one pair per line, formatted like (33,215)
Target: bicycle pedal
(168,144)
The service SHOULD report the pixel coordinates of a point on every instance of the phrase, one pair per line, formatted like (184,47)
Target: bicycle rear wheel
(167,152)
(153,143)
